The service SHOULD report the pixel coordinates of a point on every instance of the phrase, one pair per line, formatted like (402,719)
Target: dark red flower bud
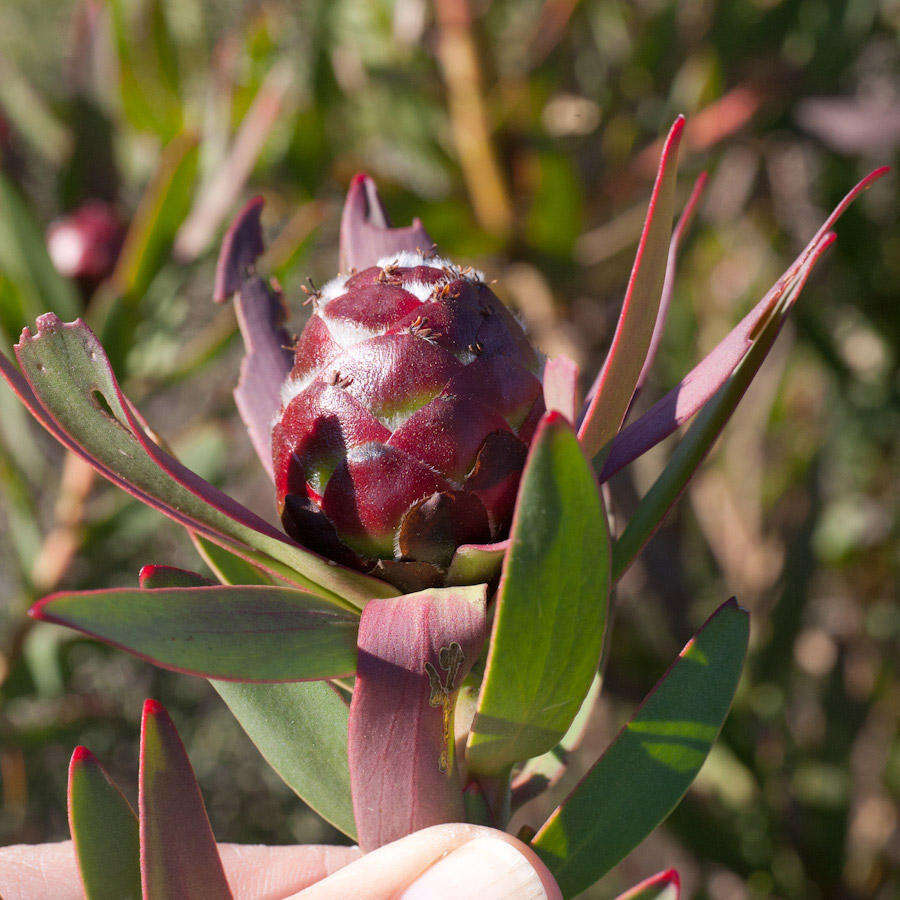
(85,243)
(407,415)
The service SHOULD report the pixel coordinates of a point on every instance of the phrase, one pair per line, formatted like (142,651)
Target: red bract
(407,415)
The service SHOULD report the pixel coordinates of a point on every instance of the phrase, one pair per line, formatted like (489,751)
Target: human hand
(455,860)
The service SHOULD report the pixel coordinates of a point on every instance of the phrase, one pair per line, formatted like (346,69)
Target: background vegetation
(522,132)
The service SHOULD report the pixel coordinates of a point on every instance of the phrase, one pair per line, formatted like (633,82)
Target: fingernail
(486,868)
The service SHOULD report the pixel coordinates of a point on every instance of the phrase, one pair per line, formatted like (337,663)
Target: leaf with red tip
(661,886)
(648,767)
(414,652)
(561,386)
(67,371)
(261,314)
(551,608)
(678,233)
(704,431)
(699,385)
(244,633)
(366,232)
(151,577)
(179,857)
(104,831)
(634,330)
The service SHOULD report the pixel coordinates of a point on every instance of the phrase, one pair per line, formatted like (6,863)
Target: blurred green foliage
(517,130)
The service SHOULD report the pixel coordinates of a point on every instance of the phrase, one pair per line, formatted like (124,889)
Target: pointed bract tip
(359,178)
(241,246)
(153,708)
(553,417)
(81,755)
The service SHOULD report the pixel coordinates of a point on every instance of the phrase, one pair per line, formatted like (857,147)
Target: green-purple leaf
(261,313)
(179,857)
(242,633)
(696,389)
(104,831)
(67,370)
(634,331)
(647,769)
(414,651)
(551,607)
(707,427)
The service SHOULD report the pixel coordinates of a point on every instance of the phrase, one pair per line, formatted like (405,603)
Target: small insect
(389,274)
(313,293)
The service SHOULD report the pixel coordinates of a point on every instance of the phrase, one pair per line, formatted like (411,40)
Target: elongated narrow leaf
(104,831)
(301,730)
(668,288)
(702,434)
(233,633)
(161,211)
(32,278)
(634,330)
(695,390)
(551,608)
(662,886)
(414,651)
(179,857)
(225,184)
(67,369)
(561,386)
(647,769)
(261,314)
(366,232)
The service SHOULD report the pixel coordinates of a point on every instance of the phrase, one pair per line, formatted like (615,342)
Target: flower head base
(407,415)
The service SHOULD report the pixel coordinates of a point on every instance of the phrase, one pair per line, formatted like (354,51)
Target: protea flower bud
(85,244)
(407,415)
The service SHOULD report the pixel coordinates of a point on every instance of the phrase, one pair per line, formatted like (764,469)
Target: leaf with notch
(66,369)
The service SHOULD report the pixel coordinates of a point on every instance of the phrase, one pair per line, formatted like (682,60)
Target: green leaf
(69,372)
(705,429)
(226,566)
(163,207)
(551,606)
(32,284)
(147,69)
(621,370)
(301,730)
(104,831)
(647,769)
(179,856)
(242,633)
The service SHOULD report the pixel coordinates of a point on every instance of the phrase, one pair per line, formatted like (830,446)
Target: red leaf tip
(153,708)
(81,755)
(359,178)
